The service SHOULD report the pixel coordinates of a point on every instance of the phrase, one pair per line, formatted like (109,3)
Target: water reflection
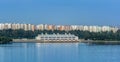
(1,54)
(58,52)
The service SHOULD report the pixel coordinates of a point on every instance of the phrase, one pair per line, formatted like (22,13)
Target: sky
(65,12)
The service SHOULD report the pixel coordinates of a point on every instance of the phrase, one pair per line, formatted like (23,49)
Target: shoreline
(101,42)
(96,42)
(38,41)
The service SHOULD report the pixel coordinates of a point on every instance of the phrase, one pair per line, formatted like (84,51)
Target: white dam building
(57,37)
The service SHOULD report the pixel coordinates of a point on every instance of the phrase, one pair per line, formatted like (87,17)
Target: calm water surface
(59,52)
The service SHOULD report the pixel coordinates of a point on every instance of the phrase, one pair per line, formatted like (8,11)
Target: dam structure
(57,38)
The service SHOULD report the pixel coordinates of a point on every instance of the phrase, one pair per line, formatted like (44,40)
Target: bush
(5,40)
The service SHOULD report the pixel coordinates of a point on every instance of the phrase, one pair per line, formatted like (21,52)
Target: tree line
(19,34)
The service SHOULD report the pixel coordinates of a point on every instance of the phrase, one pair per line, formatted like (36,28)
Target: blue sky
(84,12)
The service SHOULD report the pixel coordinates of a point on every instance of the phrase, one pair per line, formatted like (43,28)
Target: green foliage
(18,34)
(4,40)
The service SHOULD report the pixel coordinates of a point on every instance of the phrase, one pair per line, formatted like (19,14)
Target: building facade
(26,27)
(57,37)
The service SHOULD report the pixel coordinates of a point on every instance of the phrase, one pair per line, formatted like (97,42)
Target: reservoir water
(59,52)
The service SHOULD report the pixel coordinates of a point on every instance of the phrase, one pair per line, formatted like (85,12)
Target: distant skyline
(63,12)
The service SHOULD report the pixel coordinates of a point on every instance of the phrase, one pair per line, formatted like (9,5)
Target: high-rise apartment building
(16,26)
